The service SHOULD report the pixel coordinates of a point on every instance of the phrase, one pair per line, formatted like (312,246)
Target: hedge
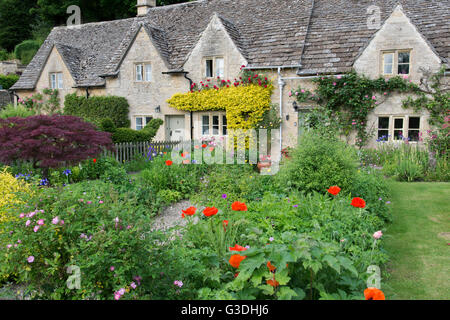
(8,81)
(96,109)
(26,50)
(129,135)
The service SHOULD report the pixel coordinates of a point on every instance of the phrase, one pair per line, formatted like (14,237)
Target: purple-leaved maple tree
(50,141)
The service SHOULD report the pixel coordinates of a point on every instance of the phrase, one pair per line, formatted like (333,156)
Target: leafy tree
(50,141)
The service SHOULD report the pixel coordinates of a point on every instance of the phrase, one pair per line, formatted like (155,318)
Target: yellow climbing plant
(245,105)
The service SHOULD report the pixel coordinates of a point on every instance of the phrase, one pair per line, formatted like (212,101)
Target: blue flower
(43,182)
(67,172)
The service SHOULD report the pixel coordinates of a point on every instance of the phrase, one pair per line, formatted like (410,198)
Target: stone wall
(5,98)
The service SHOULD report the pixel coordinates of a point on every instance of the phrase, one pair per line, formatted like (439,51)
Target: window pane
(147,120)
(139,72)
(388,58)
(224,125)
(209,68)
(53,80)
(205,125)
(414,122)
(383,135)
(398,134)
(398,123)
(383,123)
(139,124)
(403,57)
(403,69)
(220,67)
(215,125)
(413,135)
(148,72)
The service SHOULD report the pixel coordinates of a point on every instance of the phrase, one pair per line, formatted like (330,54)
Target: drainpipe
(191,113)
(281,83)
(87,93)
(15,95)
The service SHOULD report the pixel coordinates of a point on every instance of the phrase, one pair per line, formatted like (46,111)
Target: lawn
(418,242)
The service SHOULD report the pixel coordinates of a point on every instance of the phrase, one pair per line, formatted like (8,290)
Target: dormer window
(143,72)
(56,80)
(214,67)
(396,62)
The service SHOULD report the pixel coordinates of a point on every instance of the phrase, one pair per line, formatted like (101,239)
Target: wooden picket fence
(124,152)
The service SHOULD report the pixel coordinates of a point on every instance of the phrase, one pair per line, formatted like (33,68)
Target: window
(383,128)
(215,67)
(143,72)
(141,122)
(214,124)
(388,63)
(396,62)
(413,129)
(400,128)
(220,68)
(56,80)
(209,68)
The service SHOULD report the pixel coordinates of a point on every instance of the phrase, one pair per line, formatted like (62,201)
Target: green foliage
(26,50)
(107,125)
(318,163)
(8,81)
(96,109)
(121,135)
(169,196)
(12,111)
(88,226)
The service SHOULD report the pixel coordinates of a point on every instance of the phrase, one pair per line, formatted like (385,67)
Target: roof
(324,36)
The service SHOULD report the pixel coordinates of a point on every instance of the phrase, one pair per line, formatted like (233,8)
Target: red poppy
(334,190)
(358,203)
(236,260)
(374,294)
(236,274)
(237,248)
(94,160)
(239,206)
(189,211)
(225,225)
(204,145)
(210,211)
(169,162)
(271,266)
(274,283)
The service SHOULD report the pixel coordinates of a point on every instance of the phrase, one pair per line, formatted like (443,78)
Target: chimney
(144,5)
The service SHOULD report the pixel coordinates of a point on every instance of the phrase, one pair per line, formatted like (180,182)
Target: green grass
(417,242)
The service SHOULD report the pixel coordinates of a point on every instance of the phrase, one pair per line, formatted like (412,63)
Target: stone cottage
(160,52)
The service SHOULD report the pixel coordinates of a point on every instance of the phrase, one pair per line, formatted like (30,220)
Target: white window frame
(144,121)
(56,80)
(211,116)
(217,70)
(395,62)
(405,128)
(143,72)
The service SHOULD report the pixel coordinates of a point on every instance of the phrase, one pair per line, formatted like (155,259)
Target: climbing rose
(374,294)
(238,206)
(210,211)
(358,203)
(334,190)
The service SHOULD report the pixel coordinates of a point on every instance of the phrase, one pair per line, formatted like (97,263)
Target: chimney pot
(144,5)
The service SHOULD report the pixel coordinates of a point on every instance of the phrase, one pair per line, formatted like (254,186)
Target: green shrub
(107,125)
(122,135)
(88,226)
(26,50)
(8,81)
(96,109)
(169,196)
(12,111)
(318,163)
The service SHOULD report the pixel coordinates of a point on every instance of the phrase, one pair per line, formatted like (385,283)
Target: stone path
(171,216)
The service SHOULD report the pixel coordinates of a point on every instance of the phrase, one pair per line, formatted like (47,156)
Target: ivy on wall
(246,100)
(351,97)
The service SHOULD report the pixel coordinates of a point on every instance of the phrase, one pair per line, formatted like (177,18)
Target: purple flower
(224,196)
(388,202)
(133,285)
(30,259)
(271,239)
(178,283)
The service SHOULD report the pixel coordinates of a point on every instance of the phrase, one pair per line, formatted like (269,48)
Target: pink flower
(40,222)
(89,202)
(377,235)
(36,228)
(303,90)
(55,220)
(133,285)
(22,215)
(405,76)
(117,296)
(339,77)
(100,202)
(374,98)
(334,83)
(28,223)
(9,246)
(31,214)
(121,291)
(111,268)
(290,94)
(61,222)
(30,259)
